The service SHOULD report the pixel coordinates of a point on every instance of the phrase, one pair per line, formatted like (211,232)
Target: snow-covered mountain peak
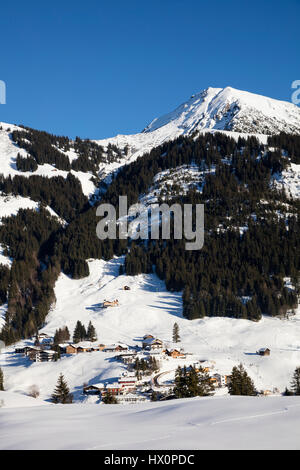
(232,110)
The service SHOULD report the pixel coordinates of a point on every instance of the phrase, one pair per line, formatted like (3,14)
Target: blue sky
(96,68)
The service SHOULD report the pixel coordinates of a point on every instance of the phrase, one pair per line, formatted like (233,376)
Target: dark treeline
(44,147)
(289,143)
(63,195)
(47,148)
(29,282)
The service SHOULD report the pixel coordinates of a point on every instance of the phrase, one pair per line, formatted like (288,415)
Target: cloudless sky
(99,68)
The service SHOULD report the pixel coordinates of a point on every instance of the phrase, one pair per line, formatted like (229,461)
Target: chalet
(264,352)
(82,347)
(176,353)
(152,343)
(95,389)
(86,346)
(128,357)
(198,367)
(40,355)
(62,348)
(116,348)
(221,379)
(71,349)
(109,349)
(148,337)
(108,303)
(43,336)
(29,350)
(121,347)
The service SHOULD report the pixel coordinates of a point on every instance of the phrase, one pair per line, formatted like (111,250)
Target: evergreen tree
(154,396)
(241,383)
(109,398)
(62,393)
(205,387)
(1,380)
(189,383)
(295,384)
(79,332)
(91,332)
(176,337)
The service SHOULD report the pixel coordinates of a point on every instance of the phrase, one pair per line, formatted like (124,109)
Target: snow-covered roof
(82,344)
(152,341)
(100,385)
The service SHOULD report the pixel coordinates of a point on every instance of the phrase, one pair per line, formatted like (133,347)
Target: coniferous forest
(236,274)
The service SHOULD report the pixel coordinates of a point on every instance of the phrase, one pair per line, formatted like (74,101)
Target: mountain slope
(232,110)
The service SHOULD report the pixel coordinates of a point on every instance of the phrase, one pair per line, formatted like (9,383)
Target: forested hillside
(251,226)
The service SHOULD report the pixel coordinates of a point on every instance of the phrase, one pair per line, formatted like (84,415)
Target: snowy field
(199,423)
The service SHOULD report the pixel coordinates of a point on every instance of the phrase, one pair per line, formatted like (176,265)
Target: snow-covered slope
(228,110)
(200,423)
(149,308)
(289,180)
(232,110)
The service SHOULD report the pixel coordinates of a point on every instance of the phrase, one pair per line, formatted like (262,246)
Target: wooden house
(116,348)
(82,347)
(108,303)
(95,389)
(175,353)
(29,350)
(71,349)
(43,336)
(121,347)
(264,352)
(152,343)
(128,357)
